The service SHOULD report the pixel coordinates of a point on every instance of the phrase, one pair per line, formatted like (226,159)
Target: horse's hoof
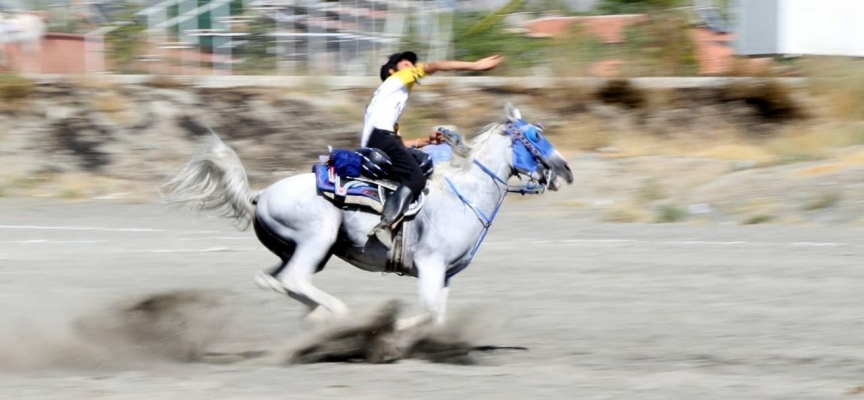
(318,316)
(268,282)
(404,324)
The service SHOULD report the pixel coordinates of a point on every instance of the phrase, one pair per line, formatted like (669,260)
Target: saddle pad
(355,187)
(360,191)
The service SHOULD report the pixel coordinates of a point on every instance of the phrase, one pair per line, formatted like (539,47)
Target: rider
(381,131)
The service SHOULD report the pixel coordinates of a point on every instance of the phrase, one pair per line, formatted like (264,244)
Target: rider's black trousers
(405,167)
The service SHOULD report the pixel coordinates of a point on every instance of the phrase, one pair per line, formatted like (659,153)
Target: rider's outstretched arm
(434,138)
(449,65)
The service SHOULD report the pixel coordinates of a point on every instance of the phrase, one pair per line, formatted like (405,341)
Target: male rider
(381,131)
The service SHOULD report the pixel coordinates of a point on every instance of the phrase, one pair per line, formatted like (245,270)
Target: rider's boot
(394,209)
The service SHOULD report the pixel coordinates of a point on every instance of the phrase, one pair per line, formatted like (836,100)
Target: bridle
(532,187)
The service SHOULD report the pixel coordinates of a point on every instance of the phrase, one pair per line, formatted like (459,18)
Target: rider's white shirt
(387,103)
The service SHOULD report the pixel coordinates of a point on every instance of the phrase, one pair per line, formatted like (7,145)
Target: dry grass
(348,112)
(14,87)
(635,143)
(790,220)
(566,100)
(19,185)
(803,142)
(759,219)
(670,213)
(583,133)
(814,139)
(77,186)
(838,83)
(416,125)
(29,182)
(820,170)
(625,213)
(737,152)
(164,82)
(508,89)
(855,390)
(576,128)
(839,164)
(651,191)
(770,100)
(758,206)
(572,204)
(93,83)
(746,67)
(622,93)
(419,121)
(823,201)
(72,194)
(854,158)
(110,102)
(782,132)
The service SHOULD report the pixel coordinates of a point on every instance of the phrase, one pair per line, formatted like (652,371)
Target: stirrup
(385,237)
(376,228)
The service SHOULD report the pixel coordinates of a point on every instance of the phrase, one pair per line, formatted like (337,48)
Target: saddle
(363,177)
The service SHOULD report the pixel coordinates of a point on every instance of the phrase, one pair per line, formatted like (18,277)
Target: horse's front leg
(433,294)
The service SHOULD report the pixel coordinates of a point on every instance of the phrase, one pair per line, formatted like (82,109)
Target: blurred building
(348,37)
(493,5)
(59,53)
(709,33)
(800,27)
(352,37)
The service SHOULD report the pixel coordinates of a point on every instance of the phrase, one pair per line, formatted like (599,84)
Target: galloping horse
(304,228)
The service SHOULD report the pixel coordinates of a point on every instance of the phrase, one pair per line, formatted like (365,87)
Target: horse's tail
(214,180)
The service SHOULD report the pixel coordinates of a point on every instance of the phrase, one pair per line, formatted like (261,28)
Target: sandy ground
(607,311)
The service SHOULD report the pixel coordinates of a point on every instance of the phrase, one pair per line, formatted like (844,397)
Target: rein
(515,134)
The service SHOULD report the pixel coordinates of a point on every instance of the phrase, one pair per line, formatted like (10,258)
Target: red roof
(714,50)
(609,28)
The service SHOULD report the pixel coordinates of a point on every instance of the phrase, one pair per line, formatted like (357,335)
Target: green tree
(637,6)
(124,43)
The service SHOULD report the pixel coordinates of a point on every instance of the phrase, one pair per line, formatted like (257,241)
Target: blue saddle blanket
(439,152)
(325,176)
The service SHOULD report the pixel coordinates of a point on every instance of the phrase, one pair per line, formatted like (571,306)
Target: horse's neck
(476,184)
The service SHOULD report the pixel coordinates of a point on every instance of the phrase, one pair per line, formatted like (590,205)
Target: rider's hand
(487,63)
(436,138)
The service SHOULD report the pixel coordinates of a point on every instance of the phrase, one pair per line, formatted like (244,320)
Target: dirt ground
(620,311)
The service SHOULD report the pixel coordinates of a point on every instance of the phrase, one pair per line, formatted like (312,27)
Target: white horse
(25,29)
(305,229)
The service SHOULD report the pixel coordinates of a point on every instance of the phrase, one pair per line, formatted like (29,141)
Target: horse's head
(533,154)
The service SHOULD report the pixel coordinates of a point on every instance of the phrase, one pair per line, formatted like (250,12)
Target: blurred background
(671,110)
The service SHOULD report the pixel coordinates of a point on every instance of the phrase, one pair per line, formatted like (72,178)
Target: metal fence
(279,37)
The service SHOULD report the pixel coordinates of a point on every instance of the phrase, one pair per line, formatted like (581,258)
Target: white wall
(756,27)
(821,27)
(492,5)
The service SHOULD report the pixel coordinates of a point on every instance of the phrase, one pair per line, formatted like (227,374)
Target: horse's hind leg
(296,278)
(304,252)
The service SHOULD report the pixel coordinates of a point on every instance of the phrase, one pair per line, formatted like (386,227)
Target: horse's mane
(459,164)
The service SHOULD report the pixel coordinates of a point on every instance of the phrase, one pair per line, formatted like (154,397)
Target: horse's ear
(511,112)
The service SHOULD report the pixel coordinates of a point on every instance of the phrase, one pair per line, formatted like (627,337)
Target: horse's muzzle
(560,168)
